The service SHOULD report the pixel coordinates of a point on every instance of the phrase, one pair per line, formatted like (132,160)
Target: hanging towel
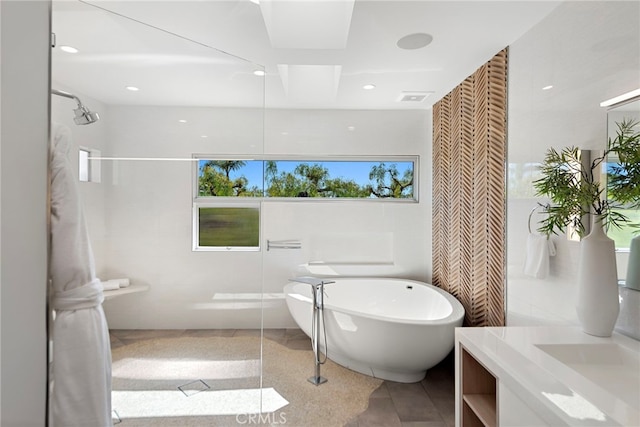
(539,249)
(80,370)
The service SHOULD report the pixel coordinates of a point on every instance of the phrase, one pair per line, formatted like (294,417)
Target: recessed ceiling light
(259,72)
(132,88)
(203,136)
(369,87)
(414,41)
(68,49)
(351,128)
(182,121)
(255,1)
(547,87)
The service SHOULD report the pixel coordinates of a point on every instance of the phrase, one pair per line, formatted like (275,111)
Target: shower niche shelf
(131,289)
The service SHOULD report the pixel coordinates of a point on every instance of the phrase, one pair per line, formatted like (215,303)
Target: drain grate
(194,387)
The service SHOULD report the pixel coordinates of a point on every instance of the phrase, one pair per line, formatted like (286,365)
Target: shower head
(84,116)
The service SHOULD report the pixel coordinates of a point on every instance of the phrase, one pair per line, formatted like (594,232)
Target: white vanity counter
(555,376)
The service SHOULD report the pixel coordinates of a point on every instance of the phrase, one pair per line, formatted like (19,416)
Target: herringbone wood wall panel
(469,155)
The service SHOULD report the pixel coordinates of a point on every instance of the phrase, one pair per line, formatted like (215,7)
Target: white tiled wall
(146,211)
(589,52)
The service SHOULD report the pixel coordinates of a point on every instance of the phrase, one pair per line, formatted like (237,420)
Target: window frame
(253,204)
(87,160)
(415,159)
(256,202)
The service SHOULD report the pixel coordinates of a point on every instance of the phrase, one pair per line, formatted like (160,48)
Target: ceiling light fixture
(415,41)
(618,99)
(182,121)
(132,88)
(259,73)
(547,87)
(255,1)
(68,49)
(369,87)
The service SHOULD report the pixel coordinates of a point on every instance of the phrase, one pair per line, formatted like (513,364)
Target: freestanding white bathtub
(392,329)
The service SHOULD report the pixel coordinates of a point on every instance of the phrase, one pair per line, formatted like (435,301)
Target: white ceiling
(117,50)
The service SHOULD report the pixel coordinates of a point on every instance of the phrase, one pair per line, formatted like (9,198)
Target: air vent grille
(413,97)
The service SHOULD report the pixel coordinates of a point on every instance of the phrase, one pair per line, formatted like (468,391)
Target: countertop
(565,375)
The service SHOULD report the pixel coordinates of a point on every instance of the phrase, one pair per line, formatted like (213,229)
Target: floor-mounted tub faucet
(318,312)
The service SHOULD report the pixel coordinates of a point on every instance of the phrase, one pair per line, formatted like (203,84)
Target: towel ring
(531,214)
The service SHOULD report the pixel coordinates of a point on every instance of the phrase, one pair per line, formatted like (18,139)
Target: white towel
(539,249)
(80,370)
(110,285)
(123,282)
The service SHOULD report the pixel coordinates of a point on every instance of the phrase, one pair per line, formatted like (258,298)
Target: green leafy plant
(575,189)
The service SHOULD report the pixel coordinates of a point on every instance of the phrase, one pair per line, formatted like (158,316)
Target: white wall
(148,210)
(25,29)
(589,52)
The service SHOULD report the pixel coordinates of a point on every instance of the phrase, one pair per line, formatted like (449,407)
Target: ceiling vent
(413,96)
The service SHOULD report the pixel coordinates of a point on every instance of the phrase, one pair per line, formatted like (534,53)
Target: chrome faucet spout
(310,280)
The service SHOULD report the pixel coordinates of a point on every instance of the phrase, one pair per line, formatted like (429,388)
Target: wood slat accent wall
(469,157)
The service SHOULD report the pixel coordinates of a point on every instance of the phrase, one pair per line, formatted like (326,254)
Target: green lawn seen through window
(229,227)
(622,236)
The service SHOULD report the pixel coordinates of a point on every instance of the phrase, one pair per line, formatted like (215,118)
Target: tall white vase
(598,304)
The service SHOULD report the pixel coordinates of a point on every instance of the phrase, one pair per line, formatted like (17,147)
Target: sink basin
(610,366)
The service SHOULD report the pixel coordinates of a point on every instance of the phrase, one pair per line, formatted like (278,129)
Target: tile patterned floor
(428,403)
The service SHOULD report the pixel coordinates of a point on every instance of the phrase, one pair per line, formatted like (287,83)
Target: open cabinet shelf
(479,407)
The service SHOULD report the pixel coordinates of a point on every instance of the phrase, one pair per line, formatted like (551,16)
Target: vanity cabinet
(533,376)
(514,412)
(485,401)
(478,396)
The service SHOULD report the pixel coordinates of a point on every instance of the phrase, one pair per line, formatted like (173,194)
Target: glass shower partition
(186,320)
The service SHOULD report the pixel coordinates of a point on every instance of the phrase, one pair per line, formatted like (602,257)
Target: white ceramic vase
(598,304)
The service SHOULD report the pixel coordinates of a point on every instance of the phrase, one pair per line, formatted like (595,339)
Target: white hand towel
(110,285)
(123,282)
(539,249)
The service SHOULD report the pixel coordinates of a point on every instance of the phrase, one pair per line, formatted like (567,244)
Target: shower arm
(67,95)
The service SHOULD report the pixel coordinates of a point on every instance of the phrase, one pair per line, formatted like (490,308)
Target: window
(88,165)
(227,192)
(227,227)
(83,165)
(622,235)
(392,178)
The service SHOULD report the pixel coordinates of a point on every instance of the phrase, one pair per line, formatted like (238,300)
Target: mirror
(631,111)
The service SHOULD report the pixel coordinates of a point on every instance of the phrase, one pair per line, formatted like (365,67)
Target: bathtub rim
(456,316)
